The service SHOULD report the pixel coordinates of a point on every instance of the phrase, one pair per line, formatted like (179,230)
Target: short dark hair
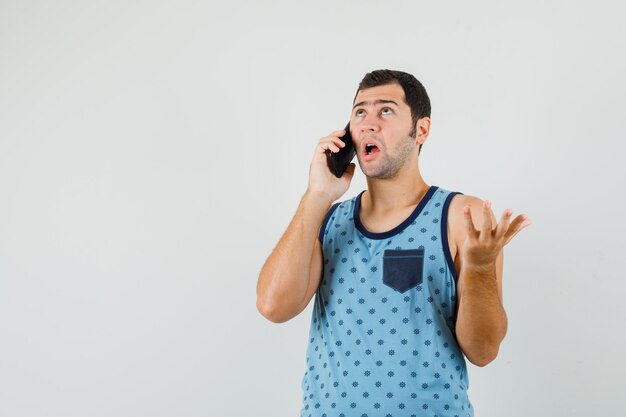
(415,95)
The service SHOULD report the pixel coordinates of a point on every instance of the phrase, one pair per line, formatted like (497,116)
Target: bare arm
(292,273)
(482,323)
(290,276)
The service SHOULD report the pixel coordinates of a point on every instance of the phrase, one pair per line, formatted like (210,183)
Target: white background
(152,153)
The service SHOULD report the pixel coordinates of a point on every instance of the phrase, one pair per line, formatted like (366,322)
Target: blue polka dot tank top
(382,338)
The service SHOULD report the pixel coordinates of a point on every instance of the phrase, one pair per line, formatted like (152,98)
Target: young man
(407,276)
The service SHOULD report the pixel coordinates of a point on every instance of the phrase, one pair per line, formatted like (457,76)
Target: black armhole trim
(444,235)
(326,219)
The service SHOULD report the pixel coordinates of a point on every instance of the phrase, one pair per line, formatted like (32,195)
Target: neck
(404,190)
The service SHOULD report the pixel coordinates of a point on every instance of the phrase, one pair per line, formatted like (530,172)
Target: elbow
(483,359)
(271,313)
(482,349)
(266,311)
(277,307)
(264,305)
(482,355)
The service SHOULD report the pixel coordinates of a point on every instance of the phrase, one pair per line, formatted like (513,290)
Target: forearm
(284,278)
(481,321)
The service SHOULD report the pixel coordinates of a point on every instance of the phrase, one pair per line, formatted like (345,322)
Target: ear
(422,129)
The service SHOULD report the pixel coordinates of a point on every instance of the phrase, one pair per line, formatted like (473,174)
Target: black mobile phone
(339,161)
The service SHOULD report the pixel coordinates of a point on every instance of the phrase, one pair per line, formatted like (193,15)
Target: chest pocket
(403,269)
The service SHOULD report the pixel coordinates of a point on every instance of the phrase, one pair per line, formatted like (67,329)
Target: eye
(357,113)
(387,108)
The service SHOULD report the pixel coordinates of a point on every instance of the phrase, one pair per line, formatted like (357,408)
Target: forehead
(382,92)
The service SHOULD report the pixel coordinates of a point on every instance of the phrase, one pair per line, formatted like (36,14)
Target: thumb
(349,172)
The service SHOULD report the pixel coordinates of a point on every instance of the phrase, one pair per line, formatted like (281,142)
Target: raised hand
(481,247)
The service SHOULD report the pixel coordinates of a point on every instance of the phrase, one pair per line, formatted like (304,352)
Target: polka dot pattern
(386,347)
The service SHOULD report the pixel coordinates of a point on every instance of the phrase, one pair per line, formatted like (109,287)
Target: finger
(522,221)
(471,230)
(327,147)
(331,145)
(349,172)
(525,223)
(333,139)
(338,141)
(338,133)
(487,224)
(503,225)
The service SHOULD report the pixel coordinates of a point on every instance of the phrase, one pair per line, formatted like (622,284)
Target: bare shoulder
(456,220)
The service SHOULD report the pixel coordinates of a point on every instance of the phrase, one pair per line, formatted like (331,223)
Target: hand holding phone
(331,171)
(339,161)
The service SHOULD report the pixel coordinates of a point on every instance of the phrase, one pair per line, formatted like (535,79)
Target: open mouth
(370,148)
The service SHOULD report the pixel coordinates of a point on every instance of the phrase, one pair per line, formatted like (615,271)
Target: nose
(369,124)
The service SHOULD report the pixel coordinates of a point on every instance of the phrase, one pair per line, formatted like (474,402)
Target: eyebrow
(375,102)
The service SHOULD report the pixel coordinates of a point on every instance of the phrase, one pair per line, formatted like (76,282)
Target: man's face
(381,118)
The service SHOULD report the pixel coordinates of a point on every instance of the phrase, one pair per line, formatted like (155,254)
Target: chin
(379,175)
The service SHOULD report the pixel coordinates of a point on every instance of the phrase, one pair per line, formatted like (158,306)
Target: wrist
(482,268)
(318,196)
